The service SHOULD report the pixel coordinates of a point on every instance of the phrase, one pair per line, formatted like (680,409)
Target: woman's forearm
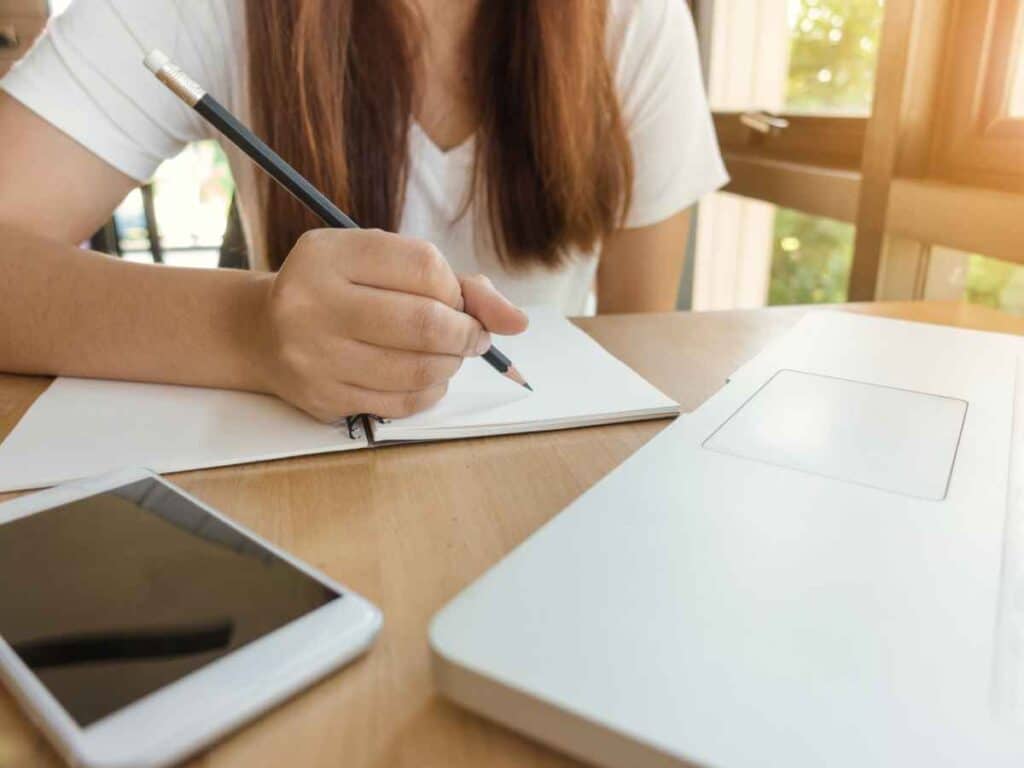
(72,312)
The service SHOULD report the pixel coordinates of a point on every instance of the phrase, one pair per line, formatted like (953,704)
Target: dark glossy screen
(116,595)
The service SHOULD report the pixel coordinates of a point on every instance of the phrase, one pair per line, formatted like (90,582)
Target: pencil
(215,113)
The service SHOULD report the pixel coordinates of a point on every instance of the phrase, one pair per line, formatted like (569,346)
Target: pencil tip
(517,377)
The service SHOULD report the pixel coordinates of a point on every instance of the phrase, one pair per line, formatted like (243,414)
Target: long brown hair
(553,161)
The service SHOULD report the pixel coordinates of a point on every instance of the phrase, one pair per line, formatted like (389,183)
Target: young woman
(550,145)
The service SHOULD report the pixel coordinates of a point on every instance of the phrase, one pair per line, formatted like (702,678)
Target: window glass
(956,275)
(1017,89)
(191,197)
(811,258)
(994,283)
(815,56)
(131,228)
(750,253)
(833,54)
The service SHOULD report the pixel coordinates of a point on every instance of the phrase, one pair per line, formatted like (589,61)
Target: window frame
(977,141)
(918,150)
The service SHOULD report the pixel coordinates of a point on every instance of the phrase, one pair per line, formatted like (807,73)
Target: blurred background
(895,167)
(876,149)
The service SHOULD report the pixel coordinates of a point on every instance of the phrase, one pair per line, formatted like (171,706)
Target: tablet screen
(116,595)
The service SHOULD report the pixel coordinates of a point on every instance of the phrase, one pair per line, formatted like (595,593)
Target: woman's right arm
(355,322)
(68,311)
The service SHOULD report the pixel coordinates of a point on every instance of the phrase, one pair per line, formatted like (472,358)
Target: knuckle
(469,333)
(428,262)
(430,324)
(313,240)
(370,241)
(423,373)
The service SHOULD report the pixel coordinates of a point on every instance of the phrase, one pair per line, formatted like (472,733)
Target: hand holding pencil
(363,322)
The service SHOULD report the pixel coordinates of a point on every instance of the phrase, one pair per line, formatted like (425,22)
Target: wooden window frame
(819,140)
(938,161)
(977,142)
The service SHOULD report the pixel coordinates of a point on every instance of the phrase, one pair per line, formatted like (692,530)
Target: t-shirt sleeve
(658,75)
(86,76)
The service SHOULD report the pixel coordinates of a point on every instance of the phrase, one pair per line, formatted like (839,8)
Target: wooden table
(410,526)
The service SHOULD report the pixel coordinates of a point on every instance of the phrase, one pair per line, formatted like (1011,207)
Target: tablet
(137,625)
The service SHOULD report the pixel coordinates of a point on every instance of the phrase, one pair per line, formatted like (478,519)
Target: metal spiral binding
(357,424)
(354,424)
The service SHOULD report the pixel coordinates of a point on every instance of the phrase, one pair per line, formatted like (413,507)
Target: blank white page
(82,427)
(576,382)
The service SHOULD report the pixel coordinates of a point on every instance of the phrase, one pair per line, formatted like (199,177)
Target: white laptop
(818,567)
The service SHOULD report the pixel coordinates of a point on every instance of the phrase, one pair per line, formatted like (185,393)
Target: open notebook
(81,427)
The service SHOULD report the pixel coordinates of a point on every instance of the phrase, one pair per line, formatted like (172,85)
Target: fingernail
(483,343)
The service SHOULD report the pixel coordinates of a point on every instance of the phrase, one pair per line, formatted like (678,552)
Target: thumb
(494,311)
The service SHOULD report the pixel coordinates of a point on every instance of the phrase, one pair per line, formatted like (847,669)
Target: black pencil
(193,94)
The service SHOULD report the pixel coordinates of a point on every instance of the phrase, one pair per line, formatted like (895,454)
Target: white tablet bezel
(167,725)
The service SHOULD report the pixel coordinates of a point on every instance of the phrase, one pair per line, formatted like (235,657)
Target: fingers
(393,370)
(348,400)
(383,260)
(395,405)
(368,322)
(412,323)
(494,311)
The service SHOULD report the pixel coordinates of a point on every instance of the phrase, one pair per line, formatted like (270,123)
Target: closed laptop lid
(709,603)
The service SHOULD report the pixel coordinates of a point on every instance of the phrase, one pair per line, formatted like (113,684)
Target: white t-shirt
(86,77)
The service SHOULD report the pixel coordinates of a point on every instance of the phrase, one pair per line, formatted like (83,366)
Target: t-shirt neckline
(460,153)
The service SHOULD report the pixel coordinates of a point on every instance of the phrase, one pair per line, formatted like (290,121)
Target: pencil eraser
(156,60)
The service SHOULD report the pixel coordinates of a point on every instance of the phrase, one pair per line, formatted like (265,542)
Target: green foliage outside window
(833,52)
(811,258)
(995,283)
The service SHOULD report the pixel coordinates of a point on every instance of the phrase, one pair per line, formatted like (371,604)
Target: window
(886,133)
(756,253)
(191,194)
(802,56)
(1017,97)
(994,283)
(188,202)
(813,61)
(981,133)
(833,54)
(811,258)
(974,278)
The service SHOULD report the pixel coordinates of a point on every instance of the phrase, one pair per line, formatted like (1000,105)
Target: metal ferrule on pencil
(171,75)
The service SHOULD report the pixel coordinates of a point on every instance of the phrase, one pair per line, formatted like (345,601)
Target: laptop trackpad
(887,438)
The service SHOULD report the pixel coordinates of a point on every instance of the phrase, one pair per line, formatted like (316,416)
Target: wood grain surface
(410,526)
